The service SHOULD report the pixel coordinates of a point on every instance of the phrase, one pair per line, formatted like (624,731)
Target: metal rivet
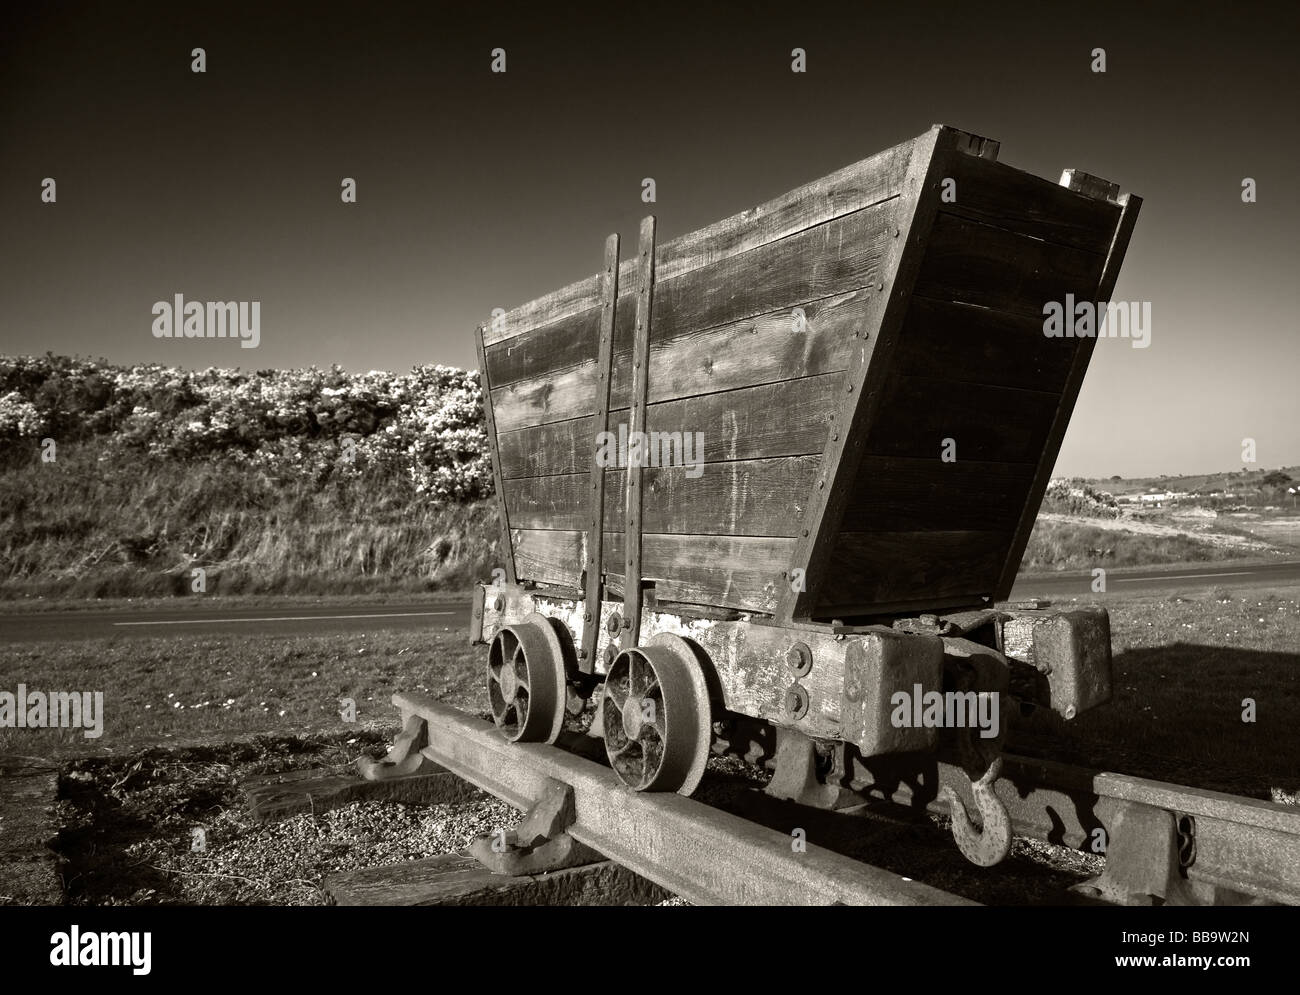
(796,701)
(805,532)
(799,657)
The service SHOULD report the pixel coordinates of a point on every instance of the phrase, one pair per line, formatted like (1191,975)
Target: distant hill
(1230,480)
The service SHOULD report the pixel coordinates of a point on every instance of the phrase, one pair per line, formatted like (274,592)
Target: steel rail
(1244,845)
(707,856)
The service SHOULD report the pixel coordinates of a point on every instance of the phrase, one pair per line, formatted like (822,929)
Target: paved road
(324,620)
(1127,581)
(187,621)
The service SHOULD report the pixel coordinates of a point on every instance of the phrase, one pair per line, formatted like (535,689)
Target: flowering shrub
(1077,497)
(426,425)
(18,418)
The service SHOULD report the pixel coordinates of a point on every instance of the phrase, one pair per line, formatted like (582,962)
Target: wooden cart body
(865,362)
(867,366)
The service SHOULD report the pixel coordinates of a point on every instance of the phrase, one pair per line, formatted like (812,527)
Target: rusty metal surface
(639,399)
(1242,846)
(595,566)
(706,856)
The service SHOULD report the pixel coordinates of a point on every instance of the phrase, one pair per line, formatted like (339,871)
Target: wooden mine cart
(761,480)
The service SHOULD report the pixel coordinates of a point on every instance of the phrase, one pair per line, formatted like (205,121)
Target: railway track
(1164,843)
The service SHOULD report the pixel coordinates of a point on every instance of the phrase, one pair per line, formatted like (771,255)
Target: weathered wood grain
(992,424)
(274,797)
(975,345)
(557,345)
(997,194)
(873,568)
(923,495)
(764,497)
(1130,205)
(833,259)
(995,268)
(455,881)
(788,418)
(741,572)
(903,254)
(850,189)
(764,349)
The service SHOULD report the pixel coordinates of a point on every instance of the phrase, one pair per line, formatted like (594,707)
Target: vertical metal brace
(489,422)
(636,443)
(600,423)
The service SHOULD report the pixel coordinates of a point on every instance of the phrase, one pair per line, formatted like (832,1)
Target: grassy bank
(84,528)
(1078,545)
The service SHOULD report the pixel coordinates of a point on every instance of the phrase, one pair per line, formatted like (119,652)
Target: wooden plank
(490,425)
(994,424)
(645,294)
(600,422)
(850,189)
(727,571)
(453,881)
(998,195)
(840,256)
(556,397)
(789,418)
(743,497)
(1130,205)
(921,495)
(742,572)
(994,268)
(911,568)
(764,349)
(555,556)
(554,346)
(974,345)
(274,797)
(914,214)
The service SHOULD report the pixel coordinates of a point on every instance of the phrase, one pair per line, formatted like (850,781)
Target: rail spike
(989,845)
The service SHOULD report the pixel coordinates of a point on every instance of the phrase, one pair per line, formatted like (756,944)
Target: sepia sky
(478,190)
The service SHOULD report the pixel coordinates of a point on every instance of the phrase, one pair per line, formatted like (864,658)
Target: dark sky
(478,190)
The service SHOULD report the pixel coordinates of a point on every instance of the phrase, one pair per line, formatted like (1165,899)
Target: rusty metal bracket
(594,572)
(404,757)
(640,391)
(797,777)
(1143,865)
(541,842)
